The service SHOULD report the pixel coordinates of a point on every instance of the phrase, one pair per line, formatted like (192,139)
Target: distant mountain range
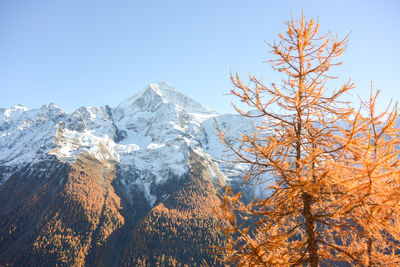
(132,185)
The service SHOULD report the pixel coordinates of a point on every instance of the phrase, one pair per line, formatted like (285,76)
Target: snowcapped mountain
(151,132)
(105,171)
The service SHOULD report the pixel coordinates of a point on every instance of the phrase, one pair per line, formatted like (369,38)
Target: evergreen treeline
(76,217)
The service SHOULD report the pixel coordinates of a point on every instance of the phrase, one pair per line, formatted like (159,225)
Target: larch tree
(372,188)
(314,212)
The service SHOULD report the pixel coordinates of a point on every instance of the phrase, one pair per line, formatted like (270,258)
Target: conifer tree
(372,186)
(319,206)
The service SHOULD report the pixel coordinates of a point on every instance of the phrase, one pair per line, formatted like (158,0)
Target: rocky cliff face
(111,186)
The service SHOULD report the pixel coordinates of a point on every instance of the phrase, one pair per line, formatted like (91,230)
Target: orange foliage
(331,173)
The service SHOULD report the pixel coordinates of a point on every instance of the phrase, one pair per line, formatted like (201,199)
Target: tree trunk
(310,222)
(369,249)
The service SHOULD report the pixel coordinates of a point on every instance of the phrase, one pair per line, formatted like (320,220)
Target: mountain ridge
(87,128)
(78,187)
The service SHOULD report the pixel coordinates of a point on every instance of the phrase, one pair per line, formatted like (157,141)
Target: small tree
(302,147)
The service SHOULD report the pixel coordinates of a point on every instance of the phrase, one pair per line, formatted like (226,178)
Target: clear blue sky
(91,53)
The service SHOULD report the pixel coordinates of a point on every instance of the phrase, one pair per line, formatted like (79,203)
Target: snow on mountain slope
(233,125)
(149,136)
(26,136)
(12,113)
(164,92)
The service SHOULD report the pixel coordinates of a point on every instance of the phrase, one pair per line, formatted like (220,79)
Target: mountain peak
(165,92)
(162,87)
